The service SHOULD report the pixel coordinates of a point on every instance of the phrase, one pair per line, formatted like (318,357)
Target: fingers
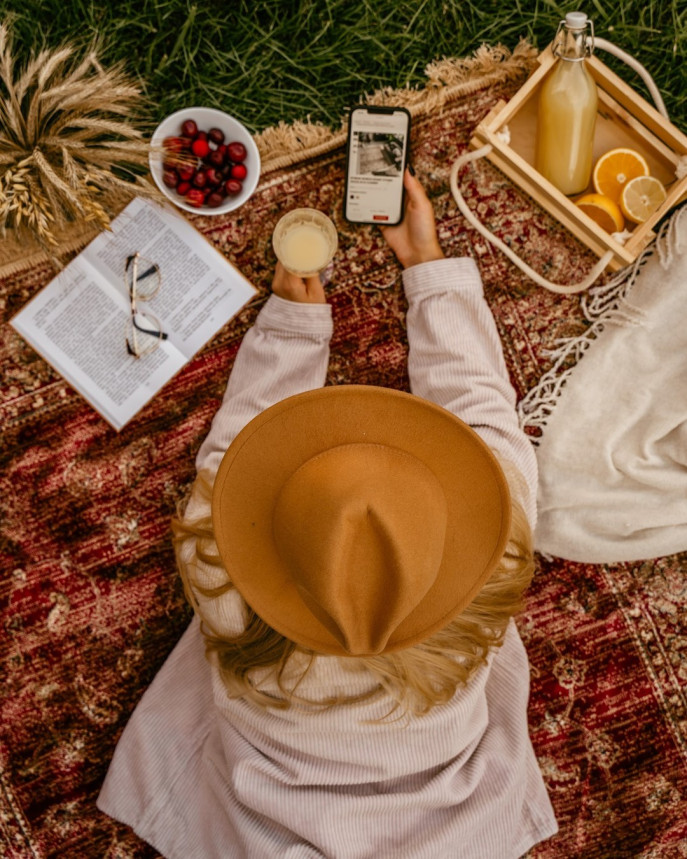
(415,190)
(294,288)
(315,289)
(414,193)
(280,280)
(410,181)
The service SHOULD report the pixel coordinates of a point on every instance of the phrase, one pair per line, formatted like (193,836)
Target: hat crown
(361,529)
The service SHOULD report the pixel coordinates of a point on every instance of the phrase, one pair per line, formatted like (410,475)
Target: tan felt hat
(358,520)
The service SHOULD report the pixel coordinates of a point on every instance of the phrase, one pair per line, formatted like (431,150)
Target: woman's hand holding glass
(308,290)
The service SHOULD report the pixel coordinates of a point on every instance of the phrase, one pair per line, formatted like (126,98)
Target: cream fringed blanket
(613,453)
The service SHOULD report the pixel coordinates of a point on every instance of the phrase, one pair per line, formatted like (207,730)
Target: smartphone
(376,157)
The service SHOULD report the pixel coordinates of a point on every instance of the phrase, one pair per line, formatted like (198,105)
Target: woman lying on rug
(364,692)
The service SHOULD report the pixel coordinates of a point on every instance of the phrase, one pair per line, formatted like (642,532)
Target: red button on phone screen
(380,217)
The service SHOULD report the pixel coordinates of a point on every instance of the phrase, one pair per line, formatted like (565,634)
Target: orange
(603,211)
(641,197)
(615,168)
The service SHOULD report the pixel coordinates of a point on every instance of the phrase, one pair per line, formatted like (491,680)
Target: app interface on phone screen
(375,166)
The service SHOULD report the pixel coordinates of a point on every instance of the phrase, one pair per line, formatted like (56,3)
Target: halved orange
(641,197)
(603,211)
(615,169)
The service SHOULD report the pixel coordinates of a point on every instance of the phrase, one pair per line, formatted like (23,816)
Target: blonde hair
(416,679)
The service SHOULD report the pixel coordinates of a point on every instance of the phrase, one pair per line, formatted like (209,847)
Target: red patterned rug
(90,601)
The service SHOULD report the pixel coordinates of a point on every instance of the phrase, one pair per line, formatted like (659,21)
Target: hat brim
(283,437)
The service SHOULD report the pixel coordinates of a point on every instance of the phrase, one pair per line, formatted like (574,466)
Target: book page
(81,320)
(80,326)
(200,289)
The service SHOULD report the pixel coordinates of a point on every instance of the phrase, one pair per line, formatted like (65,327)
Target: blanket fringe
(447,79)
(603,305)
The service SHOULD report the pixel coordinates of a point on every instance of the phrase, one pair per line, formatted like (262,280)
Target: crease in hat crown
(361,528)
(357,520)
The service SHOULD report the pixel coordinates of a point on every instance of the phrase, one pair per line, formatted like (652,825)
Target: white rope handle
(636,66)
(471,218)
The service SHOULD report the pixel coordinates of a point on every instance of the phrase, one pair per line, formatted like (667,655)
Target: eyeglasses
(143,281)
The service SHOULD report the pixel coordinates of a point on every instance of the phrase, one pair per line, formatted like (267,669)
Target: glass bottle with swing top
(567,109)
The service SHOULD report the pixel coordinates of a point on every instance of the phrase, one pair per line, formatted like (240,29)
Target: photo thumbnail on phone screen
(376,160)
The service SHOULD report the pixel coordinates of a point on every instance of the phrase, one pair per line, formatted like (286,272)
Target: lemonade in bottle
(567,109)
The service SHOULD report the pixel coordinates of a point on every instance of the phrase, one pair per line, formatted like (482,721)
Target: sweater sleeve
(286,352)
(456,360)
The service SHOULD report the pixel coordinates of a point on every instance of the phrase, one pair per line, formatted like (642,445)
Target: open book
(79,323)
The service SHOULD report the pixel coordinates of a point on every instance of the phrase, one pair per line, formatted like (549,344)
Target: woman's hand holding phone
(415,239)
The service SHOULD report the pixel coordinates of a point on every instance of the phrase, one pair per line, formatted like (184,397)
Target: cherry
(195,197)
(183,188)
(186,171)
(216,135)
(212,177)
(232,187)
(238,171)
(215,199)
(237,151)
(200,147)
(174,144)
(169,177)
(200,179)
(189,128)
(216,157)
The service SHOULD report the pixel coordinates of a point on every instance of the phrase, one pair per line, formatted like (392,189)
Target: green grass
(270,61)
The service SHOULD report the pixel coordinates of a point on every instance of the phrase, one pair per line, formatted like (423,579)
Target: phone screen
(376,158)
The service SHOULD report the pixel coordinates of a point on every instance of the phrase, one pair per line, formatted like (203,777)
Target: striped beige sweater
(199,776)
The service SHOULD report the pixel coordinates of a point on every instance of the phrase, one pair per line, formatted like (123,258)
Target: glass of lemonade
(305,241)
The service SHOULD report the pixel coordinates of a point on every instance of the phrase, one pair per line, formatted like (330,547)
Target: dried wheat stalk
(69,149)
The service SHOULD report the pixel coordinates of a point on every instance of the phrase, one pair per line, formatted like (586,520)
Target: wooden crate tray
(624,118)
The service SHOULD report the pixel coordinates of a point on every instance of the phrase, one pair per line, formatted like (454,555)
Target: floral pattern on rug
(91,605)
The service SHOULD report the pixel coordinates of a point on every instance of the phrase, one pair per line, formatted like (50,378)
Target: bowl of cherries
(204,161)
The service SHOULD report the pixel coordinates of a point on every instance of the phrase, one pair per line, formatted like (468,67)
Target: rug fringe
(603,305)
(449,72)
(447,79)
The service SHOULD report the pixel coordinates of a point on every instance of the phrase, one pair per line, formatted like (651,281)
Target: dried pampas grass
(69,149)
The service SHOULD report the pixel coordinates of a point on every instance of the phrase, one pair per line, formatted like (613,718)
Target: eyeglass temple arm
(160,334)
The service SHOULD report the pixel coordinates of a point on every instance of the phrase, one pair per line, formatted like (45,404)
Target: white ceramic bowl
(206,118)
